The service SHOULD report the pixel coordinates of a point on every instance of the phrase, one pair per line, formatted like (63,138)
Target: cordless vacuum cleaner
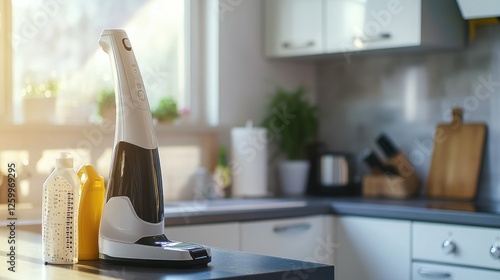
(132,223)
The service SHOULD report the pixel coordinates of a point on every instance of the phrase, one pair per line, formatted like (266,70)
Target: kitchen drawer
(425,271)
(297,238)
(472,244)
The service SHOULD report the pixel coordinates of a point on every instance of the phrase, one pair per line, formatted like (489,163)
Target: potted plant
(166,111)
(292,123)
(39,101)
(106,107)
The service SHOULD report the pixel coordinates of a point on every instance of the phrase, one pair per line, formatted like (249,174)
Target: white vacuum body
(132,223)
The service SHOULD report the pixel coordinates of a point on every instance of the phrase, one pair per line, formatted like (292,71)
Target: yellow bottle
(89,215)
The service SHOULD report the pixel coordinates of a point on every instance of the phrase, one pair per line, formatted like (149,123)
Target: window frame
(6,59)
(201,65)
(204,60)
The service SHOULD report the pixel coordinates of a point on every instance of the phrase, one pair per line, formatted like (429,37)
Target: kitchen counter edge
(421,210)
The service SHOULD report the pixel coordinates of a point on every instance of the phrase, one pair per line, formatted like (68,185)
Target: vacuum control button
(126,44)
(141,95)
(139,99)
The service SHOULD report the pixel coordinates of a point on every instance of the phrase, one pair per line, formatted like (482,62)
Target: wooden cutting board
(456,159)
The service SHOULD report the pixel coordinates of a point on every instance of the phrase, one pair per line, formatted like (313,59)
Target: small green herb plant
(293,122)
(49,88)
(166,111)
(105,102)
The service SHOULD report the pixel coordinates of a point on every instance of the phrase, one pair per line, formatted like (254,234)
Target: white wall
(247,78)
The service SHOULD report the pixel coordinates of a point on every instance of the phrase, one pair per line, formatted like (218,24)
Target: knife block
(404,185)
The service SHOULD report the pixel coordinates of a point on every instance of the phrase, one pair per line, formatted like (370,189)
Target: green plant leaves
(105,100)
(166,111)
(293,121)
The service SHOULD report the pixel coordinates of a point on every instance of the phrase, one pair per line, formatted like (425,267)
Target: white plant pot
(293,177)
(39,109)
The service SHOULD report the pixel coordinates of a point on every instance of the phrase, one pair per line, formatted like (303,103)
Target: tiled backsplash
(406,96)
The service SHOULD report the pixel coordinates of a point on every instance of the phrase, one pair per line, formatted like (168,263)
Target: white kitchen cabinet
(372,249)
(304,238)
(355,25)
(307,238)
(373,24)
(314,27)
(294,27)
(222,235)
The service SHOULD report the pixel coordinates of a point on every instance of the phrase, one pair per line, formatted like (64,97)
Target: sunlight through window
(56,56)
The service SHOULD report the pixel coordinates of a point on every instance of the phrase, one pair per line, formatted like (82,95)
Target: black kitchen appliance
(332,173)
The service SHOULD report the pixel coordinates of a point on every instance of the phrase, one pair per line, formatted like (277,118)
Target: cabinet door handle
(433,274)
(292,228)
(375,38)
(288,45)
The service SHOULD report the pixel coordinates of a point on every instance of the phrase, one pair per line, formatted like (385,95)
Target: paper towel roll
(249,166)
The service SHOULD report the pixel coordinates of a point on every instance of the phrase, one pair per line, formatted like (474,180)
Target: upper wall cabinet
(349,26)
(294,27)
(373,24)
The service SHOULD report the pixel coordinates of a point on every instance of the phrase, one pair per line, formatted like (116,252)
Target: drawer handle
(292,228)
(288,45)
(433,274)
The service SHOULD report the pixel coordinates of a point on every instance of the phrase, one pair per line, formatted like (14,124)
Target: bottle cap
(64,160)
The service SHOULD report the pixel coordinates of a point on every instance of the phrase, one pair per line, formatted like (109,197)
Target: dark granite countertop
(485,214)
(27,264)
(225,265)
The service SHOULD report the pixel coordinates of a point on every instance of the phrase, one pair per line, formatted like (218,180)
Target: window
(5,61)
(53,44)
(55,53)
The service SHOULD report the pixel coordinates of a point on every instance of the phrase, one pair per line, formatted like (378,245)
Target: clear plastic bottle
(60,213)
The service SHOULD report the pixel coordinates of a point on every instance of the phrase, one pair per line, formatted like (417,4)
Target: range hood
(473,9)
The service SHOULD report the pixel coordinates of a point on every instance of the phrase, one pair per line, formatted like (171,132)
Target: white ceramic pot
(293,177)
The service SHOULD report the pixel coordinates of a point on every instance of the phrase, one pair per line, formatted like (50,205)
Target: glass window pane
(55,50)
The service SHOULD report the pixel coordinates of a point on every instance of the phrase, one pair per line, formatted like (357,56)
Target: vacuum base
(157,263)
(156,251)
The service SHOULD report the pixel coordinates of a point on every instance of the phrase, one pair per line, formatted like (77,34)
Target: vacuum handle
(126,72)
(134,123)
